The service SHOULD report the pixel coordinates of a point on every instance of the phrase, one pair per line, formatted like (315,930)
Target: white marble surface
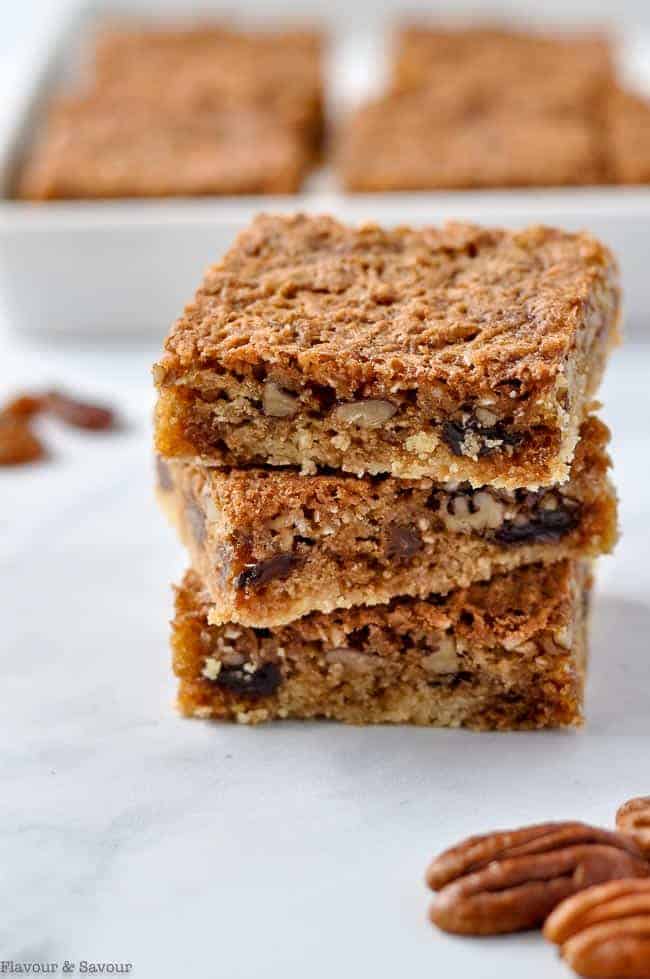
(130,835)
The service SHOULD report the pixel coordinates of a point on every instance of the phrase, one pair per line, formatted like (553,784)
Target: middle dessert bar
(460,353)
(272,545)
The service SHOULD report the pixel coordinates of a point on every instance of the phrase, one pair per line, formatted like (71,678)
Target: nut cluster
(589,887)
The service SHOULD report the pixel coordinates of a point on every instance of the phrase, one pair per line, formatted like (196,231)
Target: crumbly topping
(369,312)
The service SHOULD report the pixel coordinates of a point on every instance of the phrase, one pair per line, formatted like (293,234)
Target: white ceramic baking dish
(127,267)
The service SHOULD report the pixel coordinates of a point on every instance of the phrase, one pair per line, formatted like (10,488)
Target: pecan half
(510,881)
(604,931)
(633,817)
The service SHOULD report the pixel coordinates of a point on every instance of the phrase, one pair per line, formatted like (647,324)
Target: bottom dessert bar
(505,654)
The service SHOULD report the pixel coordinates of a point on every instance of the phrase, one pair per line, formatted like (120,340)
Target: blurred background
(18,19)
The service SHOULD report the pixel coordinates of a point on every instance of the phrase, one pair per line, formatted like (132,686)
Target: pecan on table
(78,414)
(633,818)
(604,931)
(19,444)
(510,881)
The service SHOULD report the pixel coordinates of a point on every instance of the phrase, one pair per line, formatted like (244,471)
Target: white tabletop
(130,835)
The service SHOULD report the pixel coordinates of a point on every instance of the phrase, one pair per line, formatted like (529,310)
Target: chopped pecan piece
(277,402)
(510,881)
(633,817)
(365,414)
(604,931)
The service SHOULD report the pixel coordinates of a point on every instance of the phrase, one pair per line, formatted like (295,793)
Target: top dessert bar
(459,353)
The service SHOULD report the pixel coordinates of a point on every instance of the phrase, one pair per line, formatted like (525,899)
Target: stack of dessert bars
(378,449)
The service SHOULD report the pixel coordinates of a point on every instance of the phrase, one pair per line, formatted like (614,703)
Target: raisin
(545,527)
(257,575)
(454,435)
(403,543)
(261,682)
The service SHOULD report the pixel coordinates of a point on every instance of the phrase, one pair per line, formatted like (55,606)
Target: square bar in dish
(94,147)
(215,65)
(418,140)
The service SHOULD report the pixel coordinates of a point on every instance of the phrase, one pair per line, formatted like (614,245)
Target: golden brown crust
(468,307)
(506,653)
